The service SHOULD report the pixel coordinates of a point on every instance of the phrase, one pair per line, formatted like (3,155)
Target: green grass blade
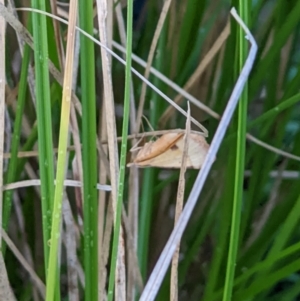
(13,162)
(44,120)
(150,179)
(283,33)
(89,154)
(261,266)
(145,219)
(62,156)
(123,154)
(283,105)
(264,283)
(242,51)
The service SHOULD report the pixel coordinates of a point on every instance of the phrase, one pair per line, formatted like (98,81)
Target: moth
(166,151)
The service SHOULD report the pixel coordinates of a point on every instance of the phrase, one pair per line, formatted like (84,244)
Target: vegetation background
(200,49)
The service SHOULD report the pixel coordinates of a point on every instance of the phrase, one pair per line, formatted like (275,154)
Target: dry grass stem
(26,36)
(268,208)
(170,83)
(105,246)
(164,260)
(37,182)
(133,192)
(179,206)
(30,78)
(210,55)
(272,148)
(158,29)
(195,51)
(104,173)
(24,246)
(39,284)
(131,249)
(109,101)
(120,290)
(5,289)
(103,176)
(70,242)
(157,133)
(77,161)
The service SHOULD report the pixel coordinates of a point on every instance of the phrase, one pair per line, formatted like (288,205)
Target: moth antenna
(148,122)
(136,147)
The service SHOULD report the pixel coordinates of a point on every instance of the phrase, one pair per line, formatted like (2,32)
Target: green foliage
(242,240)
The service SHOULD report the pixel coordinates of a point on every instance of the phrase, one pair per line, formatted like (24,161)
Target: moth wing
(171,158)
(154,148)
(197,150)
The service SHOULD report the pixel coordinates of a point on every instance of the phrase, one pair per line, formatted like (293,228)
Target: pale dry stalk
(178,210)
(112,137)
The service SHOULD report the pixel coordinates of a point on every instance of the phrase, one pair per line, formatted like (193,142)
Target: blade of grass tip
(161,266)
(179,206)
(2,109)
(89,151)
(44,124)
(123,151)
(156,36)
(241,50)
(62,154)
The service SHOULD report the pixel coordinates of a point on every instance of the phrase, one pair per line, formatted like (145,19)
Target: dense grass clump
(78,224)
